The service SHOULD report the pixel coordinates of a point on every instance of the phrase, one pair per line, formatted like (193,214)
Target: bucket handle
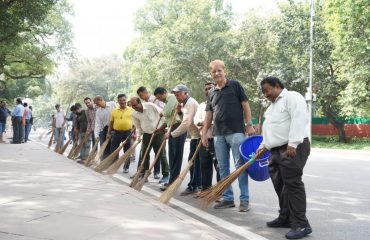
(263,164)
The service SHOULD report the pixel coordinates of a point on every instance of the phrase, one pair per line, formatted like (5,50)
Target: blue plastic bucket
(258,171)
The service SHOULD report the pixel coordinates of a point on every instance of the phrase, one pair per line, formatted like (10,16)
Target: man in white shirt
(59,124)
(102,121)
(285,134)
(144,95)
(145,119)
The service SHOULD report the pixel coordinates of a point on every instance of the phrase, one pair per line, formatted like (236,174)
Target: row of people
(22,121)
(221,124)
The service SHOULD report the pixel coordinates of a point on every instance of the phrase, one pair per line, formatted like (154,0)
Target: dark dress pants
(102,138)
(208,161)
(286,175)
(117,138)
(156,143)
(195,170)
(175,153)
(18,129)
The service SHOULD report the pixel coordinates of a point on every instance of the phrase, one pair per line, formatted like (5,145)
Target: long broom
(171,190)
(79,146)
(110,159)
(51,138)
(141,167)
(139,185)
(59,140)
(117,164)
(212,194)
(92,153)
(72,150)
(63,149)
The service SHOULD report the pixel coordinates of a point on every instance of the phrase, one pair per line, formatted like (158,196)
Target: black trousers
(286,175)
(175,153)
(18,130)
(195,171)
(208,161)
(117,138)
(156,143)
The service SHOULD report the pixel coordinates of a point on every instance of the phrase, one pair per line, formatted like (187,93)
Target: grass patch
(332,142)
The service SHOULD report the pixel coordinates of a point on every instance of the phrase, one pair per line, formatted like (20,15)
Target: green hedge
(354,120)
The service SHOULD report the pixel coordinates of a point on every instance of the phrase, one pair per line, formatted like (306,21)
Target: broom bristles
(92,154)
(171,190)
(216,191)
(63,149)
(142,181)
(105,163)
(117,164)
(72,149)
(51,138)
(137,176)
(79,146)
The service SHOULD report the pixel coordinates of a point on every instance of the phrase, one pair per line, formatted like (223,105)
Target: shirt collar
(226,85)
(282,94)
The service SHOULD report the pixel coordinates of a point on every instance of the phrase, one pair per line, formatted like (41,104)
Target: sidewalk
(46,196)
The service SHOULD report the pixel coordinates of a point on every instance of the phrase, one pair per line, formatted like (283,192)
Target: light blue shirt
(18,111)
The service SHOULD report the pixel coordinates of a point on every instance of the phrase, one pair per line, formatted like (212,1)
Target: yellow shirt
(121,119)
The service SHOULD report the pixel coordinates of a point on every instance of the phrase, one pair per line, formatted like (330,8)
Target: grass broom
(141,167)
(72,150)
(63,149)
(92,154)
(117,164)
(79,146)
(171,190)
(59,140)
(51,138)
(139,185)
(213,193)
(112,157)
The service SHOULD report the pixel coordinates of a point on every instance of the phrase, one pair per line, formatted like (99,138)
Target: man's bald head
(136,104)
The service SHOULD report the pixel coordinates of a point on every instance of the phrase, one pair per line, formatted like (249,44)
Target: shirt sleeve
(137,125)
(297,109)
(209,107)
(240,91)
(97,125)
(198,115)
(188,119)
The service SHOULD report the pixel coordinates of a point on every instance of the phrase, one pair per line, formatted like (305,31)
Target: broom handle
(191,162)
(150,143)
(116,151)
(78,148)
(162,144)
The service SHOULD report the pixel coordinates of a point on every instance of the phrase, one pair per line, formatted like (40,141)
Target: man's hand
(260,151)
(290,151)
(167,135)
(205,140)
(200,124)
(249,130)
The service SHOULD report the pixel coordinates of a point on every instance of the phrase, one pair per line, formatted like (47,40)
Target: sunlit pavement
(337,184)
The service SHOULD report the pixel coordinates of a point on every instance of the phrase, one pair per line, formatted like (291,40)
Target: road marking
(241,231)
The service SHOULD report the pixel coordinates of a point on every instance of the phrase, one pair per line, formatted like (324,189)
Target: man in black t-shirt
(228,107)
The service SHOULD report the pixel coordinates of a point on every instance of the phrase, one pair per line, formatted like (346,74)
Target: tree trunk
(337,124)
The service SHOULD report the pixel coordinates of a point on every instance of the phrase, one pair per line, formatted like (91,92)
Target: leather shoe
(278,223)
(299,232)
(224,204)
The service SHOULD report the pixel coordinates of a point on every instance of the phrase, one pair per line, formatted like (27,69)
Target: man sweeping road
(285,132)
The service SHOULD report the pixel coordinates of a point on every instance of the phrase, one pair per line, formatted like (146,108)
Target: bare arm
(248,118)
(206,125)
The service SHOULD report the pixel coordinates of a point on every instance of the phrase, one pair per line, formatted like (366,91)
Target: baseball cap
(180,88)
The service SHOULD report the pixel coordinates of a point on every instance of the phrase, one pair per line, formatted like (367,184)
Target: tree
(89,77)
(34,34)
(177,41)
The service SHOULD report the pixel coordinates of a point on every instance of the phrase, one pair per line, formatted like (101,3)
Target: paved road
(338,195)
